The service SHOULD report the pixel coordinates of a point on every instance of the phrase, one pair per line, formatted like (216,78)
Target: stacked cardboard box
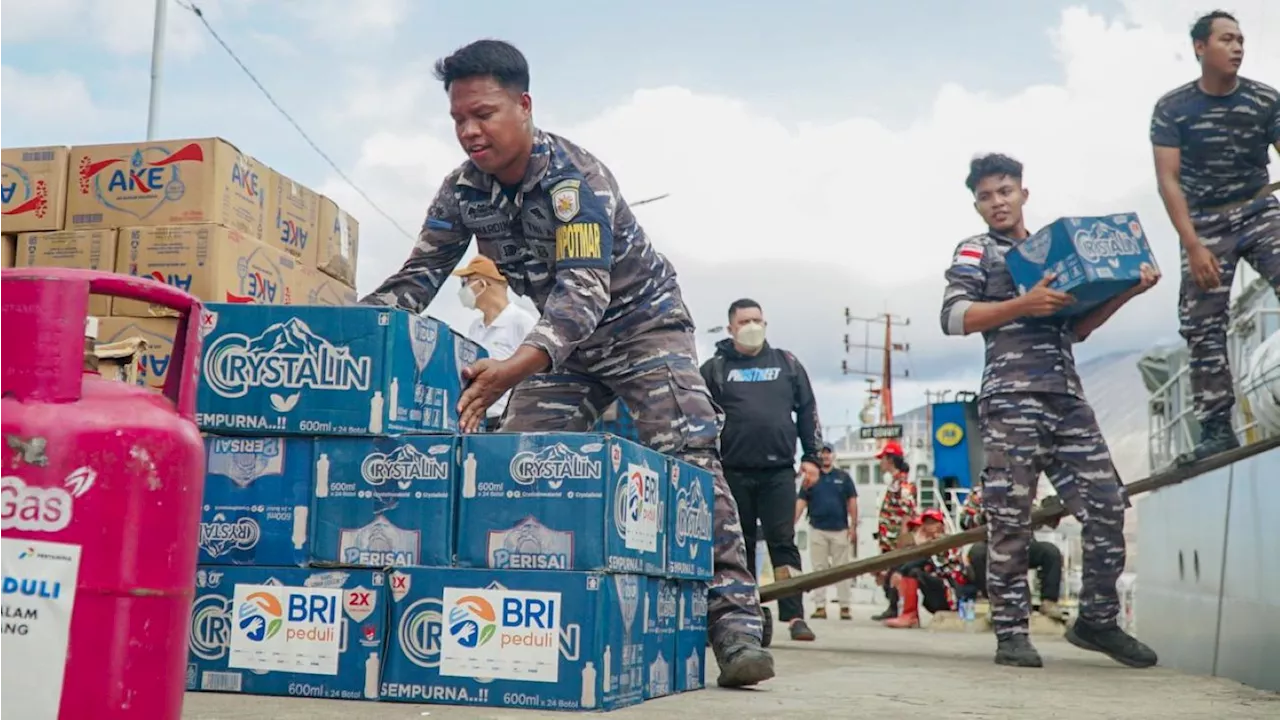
(194,213)
(354,545)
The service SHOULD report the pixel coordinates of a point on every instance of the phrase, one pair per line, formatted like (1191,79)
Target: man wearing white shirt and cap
(502,325)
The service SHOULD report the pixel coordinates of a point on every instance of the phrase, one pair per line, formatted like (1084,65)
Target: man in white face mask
(502,324)
(768,405)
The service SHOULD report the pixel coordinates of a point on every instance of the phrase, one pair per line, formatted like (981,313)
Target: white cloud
(339,21)
(122,27)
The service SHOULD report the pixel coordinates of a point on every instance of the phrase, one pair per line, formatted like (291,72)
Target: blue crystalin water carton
(690,544)
(313,370)
(257,497)
(516,638)
(561,501)
(691,637)
(661,616)
(288,631)
(384,502)
(1095,258)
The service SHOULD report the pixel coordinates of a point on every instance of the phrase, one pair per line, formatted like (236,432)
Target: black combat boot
(1216,436)
(1113,642)
(742,661)
(1017,651)
(892,612)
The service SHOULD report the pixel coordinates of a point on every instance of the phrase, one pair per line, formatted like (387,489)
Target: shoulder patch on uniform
(564,200)
(969,253)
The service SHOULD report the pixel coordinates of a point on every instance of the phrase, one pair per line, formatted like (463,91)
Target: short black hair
(743,304)
(492,58)
(1203,28)
(995,164)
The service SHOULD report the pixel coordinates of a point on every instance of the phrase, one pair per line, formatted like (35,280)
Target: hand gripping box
(257,493)
(516,638)
(561,501)
(311,370)
(1094,258)
(288,631)
(384,502)
(690,538)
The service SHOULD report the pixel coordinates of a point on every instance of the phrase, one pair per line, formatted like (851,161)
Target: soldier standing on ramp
(1034,419)
(1211,139)
(613,322)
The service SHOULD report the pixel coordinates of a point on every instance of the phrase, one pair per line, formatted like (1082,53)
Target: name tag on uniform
(578,241)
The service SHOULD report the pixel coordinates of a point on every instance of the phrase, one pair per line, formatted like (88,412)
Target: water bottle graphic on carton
(256,494)
(562,501)
(387,502)
(1094,258)
(661,612)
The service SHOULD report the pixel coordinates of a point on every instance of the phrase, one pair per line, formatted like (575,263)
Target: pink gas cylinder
(102,485)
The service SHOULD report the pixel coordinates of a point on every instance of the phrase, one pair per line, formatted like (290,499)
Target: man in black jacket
(768,403)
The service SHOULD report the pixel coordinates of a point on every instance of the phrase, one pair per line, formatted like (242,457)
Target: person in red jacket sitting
(932,579)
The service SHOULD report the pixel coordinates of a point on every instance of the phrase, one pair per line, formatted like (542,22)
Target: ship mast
(885,373)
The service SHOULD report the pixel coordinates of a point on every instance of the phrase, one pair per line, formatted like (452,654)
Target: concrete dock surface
(859,669)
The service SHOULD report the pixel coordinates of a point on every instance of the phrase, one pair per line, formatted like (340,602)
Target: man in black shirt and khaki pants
(768,404)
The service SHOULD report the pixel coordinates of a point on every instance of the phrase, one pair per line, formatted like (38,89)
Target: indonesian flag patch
(969,254)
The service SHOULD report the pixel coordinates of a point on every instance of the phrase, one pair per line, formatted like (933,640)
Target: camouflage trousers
(1025,434)
(1250,232)
(657,377)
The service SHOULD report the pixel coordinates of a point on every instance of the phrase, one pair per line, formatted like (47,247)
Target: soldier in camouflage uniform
(1211,139)
(613,322)
(1034,418)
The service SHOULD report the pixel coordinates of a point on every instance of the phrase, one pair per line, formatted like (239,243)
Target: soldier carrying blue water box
(614,324)
(1211,139)
(1034,418)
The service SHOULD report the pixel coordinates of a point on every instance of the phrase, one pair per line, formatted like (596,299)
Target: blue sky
(813,151)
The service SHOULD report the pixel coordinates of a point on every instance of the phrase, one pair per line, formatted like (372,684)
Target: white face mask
(751,336)
(467,297)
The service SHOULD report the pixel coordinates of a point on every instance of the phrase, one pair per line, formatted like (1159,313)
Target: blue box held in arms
(1094,258)
(313,370)
(516,638)
(562,501)
(288,631)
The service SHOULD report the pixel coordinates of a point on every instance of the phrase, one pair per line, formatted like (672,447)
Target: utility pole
(157,62)
(885,373)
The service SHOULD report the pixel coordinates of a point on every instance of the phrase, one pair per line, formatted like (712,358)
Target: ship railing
(1172,425)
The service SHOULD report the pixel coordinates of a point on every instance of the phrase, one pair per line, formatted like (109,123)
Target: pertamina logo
(33,508)
(693,517)
(286,355)
(472,621)
(554,464)
(260,616)
(403,465)
(140,183)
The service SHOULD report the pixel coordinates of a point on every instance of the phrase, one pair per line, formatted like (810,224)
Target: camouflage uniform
(613,323)
(1035,419)
(1224,143)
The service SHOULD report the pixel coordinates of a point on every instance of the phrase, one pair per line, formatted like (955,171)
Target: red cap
(933,514)
(890,448)
(913,523)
